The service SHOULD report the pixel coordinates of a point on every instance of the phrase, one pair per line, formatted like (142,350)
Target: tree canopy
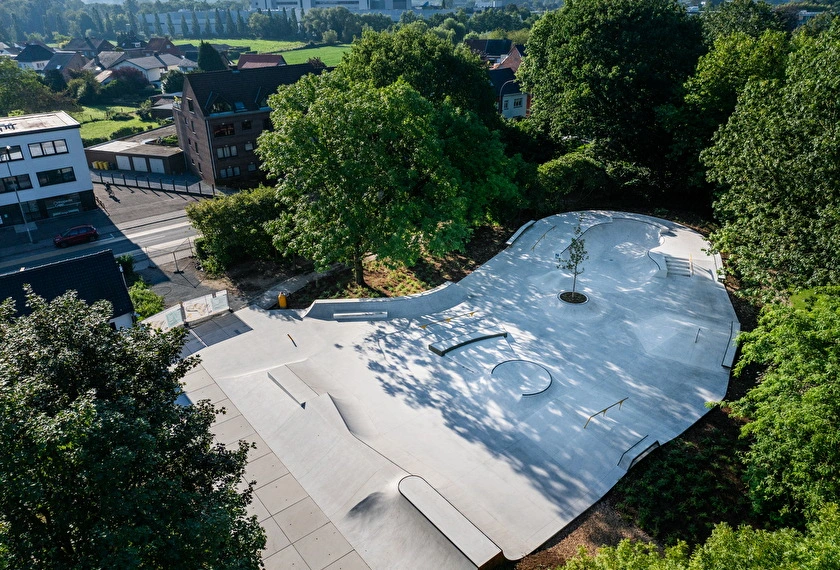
(749,17)
(209,59)
(22,90)
(776,161)
(600,71)
(99,466)
(793,464)
(365,169)
(434,67)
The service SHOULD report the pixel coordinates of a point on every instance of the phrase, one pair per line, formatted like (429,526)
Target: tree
(258,24)
(433,66)
(745,548)
(793,463)
(209,59)
(172,81)
(779,184)
(749,17)
(365,169)
(196,26)
(21,90)
(170,25)
(575,256)
(101,467)
(185,30)
(601,70)
(575,176)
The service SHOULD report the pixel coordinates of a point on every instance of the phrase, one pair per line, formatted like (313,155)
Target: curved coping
(442,347)
(519,232)
(550,377)
(439,298)
(451,522)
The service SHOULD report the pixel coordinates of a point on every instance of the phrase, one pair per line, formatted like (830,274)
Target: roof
(60,60)
(34,52)
(252,60)
(501,76)
(162,45)
(94,277)
(490,48)
(161,60)
(88,44)
(106,59)
(33,123)
(244,89)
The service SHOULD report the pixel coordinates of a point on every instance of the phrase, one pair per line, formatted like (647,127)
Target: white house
(154,66)
(43,172)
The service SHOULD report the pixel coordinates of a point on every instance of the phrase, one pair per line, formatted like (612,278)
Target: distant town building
(43,173)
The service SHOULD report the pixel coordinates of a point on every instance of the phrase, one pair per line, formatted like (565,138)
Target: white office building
(43,172)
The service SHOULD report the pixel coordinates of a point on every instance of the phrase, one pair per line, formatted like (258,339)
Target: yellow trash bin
(282,302)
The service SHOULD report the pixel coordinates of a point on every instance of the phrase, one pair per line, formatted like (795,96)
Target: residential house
(221,114)
(7,50)
(43,173)
(64,62)
(88,47)
(95,277)
(252,60)
(490,51)
(514,57)
(162,45)
(105,60)
(190,51)
(153,67)
(34,56)
(512,102)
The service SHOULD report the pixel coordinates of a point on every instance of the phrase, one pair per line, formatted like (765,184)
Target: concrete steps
(679,266)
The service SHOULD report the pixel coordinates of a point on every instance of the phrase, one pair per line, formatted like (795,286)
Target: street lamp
(502,93)
(8,160)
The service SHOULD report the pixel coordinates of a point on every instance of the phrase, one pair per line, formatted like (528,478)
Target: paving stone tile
(197,378)
(230,411)
(286,559)
(211,392)
(264,470)
(321,548)
(351,561)
(232,430)
(255,507)
(301,518)
(275,540)
(281,493)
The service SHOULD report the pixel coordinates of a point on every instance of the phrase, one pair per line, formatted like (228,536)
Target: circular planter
(575,298)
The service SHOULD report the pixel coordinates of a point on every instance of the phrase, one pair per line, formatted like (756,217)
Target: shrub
(146,302)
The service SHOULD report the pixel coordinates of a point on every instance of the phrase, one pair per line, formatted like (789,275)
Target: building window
(12,183)
(517,103)
(252,167)
(196,146)
(246,125)
(249,145)
(192,126)
(228,172)
(57,176)
(506,105)
(190,105)
(48,148)
(223,130)
(199,167)
(226,151)
(10,153)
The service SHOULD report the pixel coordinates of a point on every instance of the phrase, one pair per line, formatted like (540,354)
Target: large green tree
(793,463)
(434,67)
(599,71)
(100,467)
(21,90)
(749,17)
(776,161)
(209,59)
(365,169)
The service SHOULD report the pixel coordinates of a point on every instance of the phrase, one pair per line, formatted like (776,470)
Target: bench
(360,315)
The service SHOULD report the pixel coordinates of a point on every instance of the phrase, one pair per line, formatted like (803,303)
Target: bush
(126,262)
(146,302)
(121,117)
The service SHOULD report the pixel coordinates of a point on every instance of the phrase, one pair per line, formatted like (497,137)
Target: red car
(78,234)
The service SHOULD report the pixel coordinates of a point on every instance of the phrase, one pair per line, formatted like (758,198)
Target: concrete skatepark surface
(466,424)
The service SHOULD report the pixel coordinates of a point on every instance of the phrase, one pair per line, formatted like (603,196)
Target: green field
(330,55)
(260,46)
(96,126)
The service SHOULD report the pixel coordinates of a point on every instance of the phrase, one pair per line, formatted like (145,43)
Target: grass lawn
(260,46)
(99,112)
(330,55)
(95,125)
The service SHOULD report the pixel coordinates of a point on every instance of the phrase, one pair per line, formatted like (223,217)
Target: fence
(177,253)
(162,184)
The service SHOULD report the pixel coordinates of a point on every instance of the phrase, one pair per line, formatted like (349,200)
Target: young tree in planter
(574,263)
(100,466)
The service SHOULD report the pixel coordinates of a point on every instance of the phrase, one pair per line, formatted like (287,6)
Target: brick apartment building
(221,114)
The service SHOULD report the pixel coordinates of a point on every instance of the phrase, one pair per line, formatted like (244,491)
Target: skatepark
(473,422)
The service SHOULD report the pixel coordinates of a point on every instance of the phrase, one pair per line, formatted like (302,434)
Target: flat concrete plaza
(474,421)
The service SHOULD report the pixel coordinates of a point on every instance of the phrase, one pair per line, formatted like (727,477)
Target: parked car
(78,234)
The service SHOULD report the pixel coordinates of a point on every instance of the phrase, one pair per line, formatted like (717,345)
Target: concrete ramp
(291,384)
(473,543)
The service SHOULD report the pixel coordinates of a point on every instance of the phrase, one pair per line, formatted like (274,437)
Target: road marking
(156,230)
